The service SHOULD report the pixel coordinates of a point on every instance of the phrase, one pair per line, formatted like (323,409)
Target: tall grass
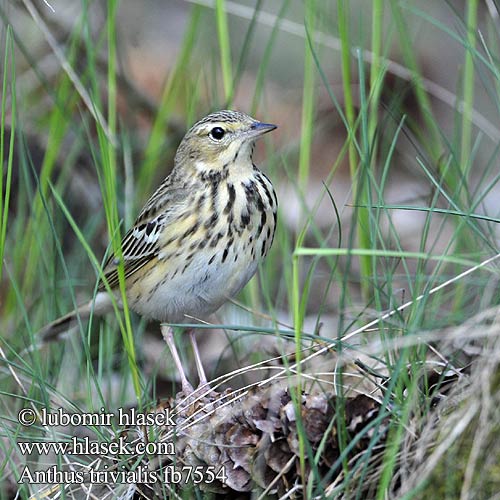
(225,49)
(357,167)
(6,176)
(383,291)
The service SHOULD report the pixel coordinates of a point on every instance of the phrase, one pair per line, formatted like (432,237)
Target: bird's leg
(197,359)
(168,335)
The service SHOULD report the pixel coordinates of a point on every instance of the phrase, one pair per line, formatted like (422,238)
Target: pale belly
(196,292)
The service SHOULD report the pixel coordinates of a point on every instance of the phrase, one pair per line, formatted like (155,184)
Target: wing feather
(142,242)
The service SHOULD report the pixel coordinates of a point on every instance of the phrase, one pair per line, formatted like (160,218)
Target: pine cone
(255,440)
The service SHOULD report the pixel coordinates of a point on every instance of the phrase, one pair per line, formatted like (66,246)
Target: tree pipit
(199,238)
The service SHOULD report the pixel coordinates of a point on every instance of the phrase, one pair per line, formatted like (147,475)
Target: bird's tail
(101,305)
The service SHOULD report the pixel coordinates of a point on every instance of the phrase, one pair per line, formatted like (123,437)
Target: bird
(198,239)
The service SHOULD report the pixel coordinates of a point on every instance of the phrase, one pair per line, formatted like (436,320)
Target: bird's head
(220,139)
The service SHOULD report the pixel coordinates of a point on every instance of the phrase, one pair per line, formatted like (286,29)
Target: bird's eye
(217,133)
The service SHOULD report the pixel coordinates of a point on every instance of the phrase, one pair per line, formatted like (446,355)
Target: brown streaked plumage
(201,235)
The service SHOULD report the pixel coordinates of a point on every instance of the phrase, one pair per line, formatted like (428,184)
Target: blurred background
(385,163)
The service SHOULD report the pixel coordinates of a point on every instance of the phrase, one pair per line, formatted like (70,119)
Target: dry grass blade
(89,103)
(459,437)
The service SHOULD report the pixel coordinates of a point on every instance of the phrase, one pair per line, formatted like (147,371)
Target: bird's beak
(259,128)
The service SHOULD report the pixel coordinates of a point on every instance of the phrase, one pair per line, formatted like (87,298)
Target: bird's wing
(142,242)
(139,245)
